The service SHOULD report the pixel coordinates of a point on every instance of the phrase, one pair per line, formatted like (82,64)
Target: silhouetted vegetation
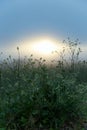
(34,96)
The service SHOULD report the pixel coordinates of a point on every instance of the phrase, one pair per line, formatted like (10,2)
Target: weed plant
(34,96)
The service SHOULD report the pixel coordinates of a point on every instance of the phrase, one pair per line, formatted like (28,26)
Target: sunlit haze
(40,47)
(38,26)
(44,47)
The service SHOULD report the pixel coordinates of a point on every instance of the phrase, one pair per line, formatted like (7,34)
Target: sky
(21,19)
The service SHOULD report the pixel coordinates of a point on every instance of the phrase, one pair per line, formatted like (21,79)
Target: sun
(44,47)
(41,47)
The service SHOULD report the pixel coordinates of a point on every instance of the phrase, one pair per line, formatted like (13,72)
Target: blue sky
(26,18)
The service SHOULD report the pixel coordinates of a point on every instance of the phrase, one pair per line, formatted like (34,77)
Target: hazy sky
(26,18)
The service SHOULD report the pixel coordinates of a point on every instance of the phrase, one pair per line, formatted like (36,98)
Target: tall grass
(34,96)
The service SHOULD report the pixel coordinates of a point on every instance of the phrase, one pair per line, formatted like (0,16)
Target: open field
(34,96)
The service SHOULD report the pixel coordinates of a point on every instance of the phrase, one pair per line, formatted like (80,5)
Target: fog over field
(43,64)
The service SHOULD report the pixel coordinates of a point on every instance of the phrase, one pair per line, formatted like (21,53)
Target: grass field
(35,96)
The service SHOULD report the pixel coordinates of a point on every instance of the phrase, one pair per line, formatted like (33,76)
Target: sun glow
(41,47)
(44,47)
